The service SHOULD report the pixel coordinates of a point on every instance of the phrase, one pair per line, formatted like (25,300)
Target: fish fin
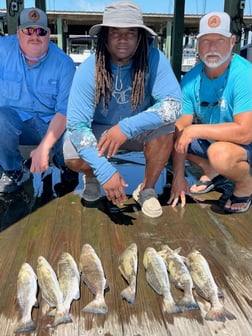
(177,250)
(106,286)
(77,295)
(26,327)
(201,293)
(188,303)
(220,293)
(219,314)
(171,307)
(52,312)
(97,306)
(61,318)
(36,304)
(152,283)
(129,294)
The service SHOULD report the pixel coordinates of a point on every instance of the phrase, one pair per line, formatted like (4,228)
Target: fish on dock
(206,287)
(92,274)
(180,276)
(27,289)
(51,291)
(157,277)
(69,279)
(128,263)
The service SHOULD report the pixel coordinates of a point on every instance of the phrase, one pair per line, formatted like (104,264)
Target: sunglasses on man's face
(30,31)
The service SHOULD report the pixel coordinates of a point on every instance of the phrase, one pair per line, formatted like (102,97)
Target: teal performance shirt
(162,105)
(214,101)
(39,90)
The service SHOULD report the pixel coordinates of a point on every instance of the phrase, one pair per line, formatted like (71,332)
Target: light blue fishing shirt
(39,90)
(162,105)
(228,95)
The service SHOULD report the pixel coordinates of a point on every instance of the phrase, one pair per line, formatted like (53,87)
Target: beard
(215,64)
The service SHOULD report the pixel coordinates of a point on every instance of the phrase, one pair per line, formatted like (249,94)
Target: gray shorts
(133,145)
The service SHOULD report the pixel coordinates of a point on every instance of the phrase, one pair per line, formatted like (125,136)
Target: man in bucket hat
(125,96)
(35,77)
(217,98)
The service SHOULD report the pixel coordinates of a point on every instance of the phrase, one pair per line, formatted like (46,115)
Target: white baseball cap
(215,23)
(121,14)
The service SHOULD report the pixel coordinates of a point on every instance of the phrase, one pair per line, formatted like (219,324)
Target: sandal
(235,200)
(210,184)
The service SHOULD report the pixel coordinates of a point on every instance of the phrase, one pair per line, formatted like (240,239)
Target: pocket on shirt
(49,92)
(10,84)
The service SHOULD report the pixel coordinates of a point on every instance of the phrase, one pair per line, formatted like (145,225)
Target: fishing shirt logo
(122,96)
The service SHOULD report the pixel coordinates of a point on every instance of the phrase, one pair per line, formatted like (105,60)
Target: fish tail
(188,303)
(60,318)
(97,306)
(26,327)
(171,307)
(129,294)
(219,314)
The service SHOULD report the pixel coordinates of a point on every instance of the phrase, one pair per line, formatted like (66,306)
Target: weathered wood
(63,224)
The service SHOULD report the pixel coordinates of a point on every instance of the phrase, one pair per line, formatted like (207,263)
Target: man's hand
(184,139)
(114,189)
(40,160)
(111,141)
(179,190)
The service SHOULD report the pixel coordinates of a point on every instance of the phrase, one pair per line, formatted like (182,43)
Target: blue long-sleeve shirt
(161,105)
(41,89)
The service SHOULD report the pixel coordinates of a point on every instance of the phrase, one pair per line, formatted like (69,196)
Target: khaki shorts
(133,145)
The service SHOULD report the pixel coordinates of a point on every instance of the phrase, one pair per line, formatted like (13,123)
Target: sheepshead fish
(180,276)
(51,292)
(93,276)
(69,279)
(27,289)
(128,261)
(157,277)
(206,287)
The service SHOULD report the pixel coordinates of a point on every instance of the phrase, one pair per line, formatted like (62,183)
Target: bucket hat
(121,14)
(215,23)
(33,17)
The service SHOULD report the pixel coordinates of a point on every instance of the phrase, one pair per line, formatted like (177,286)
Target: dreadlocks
(103,89)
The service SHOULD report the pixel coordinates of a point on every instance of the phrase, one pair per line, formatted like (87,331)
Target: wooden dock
(63,224)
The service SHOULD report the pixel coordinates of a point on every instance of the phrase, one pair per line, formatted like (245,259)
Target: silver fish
(27,289)
(93,276)
(206,287)
(180,276)
(157,277)
(128,261)
(51,292)
(69,279)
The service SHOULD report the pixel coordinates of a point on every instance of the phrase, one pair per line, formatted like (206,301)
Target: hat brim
(94,30)
(215,32)
(33,25)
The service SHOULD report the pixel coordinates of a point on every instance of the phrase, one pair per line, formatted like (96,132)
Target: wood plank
(63,224)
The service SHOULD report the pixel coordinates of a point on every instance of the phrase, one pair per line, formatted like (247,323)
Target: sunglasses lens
(30,31)
(41,32)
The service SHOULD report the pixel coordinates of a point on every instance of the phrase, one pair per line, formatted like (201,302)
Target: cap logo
(34,15)
(214,21)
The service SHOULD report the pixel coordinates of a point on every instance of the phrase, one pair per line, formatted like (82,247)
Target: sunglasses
(30,31)
(206,104)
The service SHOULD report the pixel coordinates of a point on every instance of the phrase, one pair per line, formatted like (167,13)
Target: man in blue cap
(35,77)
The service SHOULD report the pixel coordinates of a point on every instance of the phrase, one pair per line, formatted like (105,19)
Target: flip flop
(210,185)
(235,199)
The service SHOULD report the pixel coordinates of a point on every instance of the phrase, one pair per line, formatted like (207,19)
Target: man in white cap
(35,77)
(125,96)
(215,131)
